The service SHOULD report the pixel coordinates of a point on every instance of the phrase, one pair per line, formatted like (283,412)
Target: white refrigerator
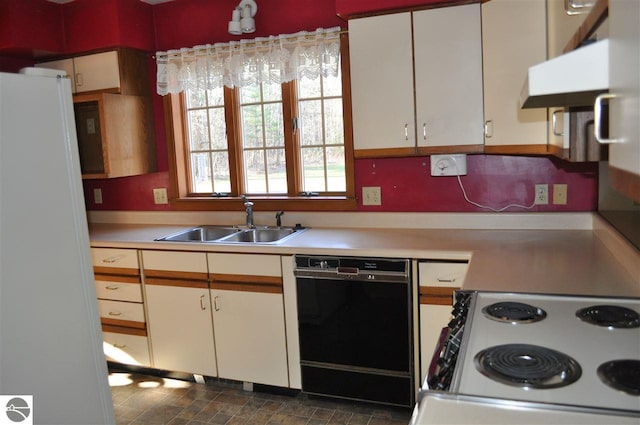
(50,336)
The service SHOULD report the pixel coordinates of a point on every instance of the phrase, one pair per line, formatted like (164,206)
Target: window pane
(271,92)
(313,172)
(196,99)
(201,173)
(256,181)
(198,130)
(252,126)
(218,129)
(336,176)
(250,94)
(334,134)
(308,88)
(221,176)
(215,97)
(332,86)
(277,171)
(310,122)
(273,122)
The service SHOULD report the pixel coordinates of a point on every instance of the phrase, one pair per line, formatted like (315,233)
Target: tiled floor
(144,399)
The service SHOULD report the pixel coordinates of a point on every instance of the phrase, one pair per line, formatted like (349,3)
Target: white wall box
(447,71)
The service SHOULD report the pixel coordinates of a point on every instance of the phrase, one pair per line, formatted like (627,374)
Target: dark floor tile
(297,409)
(359,419)
(159,414)
(193,409)
(261,417)
(178,421)
(284,419)
(226,397)
(340,418)
(125,414)
(323,414)
(220,418)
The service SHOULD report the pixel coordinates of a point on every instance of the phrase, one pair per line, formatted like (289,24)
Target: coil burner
(622,375)
(611,316)
(514,312)
(527,366)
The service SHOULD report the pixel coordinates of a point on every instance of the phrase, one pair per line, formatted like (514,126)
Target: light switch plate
(160,196)
(371,195)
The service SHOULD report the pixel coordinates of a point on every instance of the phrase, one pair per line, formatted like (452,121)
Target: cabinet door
(99,71)
(180,329)
(513,39)
(250,336)
(624,61)
(64,65)
(126,348)
(448,76)
(382,83)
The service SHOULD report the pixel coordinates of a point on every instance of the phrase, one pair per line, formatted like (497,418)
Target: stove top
(563,350)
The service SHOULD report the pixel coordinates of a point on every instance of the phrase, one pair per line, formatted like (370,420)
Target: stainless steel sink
(260,235)
(200,234)
(229,234)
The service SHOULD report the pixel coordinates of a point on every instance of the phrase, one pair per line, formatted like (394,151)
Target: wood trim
(250,279)
(247,287)
(347,117)
(383,153)
(172,274)
(123,323)
(268,203)
(625,182)
(558,151)
(517,150)
(433,5)
(437,150)
(596,16)
(124,330)
(437,295)
(199,284)
(120,279)
(99,270)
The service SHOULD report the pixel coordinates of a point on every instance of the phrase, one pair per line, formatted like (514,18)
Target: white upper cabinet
(448,76)
(382,82)
(624,62)
(513,39)
(435,53)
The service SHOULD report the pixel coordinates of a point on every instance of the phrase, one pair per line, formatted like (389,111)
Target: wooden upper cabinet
(434,53)
(121,71)
(513,39)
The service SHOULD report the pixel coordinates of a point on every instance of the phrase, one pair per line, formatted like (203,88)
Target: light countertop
(536,261)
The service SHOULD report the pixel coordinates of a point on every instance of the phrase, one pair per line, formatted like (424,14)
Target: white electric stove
(529,357)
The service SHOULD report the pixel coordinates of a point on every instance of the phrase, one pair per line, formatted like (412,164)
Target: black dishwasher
(355,328)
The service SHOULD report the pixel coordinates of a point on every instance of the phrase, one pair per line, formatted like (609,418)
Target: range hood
(573,79)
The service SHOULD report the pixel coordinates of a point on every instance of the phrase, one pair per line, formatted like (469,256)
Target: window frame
(179,163)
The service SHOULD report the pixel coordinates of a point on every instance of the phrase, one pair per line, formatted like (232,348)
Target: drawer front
(127,349)
(115,258)
(195,262)
(121,311)
(119,291)
(443,274)
(245,264)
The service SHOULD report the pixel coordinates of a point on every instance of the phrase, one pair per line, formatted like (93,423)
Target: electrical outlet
(160,196)
(560,194)
(97,196)
(371,195)
(542,194)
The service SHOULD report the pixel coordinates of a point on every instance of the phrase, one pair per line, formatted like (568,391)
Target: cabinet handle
(111,288)
(446,279)
(202,306)
(597,119)
(573,8)
(79,79)
(554,123)
(120,346)
(488,129)
(115,313)
(113,259)
(424,131)
(406,132)
(215,303)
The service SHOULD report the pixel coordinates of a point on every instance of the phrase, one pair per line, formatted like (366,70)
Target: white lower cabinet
(179,312)
(125,348)
(248,318)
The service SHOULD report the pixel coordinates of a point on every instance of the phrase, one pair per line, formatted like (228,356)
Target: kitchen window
(283,145)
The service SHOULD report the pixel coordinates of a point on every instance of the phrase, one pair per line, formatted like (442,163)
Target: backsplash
(407,186)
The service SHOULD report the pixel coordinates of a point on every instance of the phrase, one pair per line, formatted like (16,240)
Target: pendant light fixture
(242,18)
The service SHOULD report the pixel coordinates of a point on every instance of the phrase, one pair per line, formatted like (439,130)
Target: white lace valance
(275,59)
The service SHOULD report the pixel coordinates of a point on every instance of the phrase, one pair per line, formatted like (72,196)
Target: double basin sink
(230,234)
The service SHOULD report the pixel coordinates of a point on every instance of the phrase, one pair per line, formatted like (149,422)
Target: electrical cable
(466,198)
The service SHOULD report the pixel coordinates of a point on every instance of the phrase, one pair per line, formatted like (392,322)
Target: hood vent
(573,79)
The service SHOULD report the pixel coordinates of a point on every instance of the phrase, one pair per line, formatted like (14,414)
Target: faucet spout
(248,206)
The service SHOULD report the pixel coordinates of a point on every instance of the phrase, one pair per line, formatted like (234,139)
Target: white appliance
(50,336)
(572,79)
(529,358)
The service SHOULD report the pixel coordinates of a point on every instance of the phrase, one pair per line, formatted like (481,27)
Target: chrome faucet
(248,206)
